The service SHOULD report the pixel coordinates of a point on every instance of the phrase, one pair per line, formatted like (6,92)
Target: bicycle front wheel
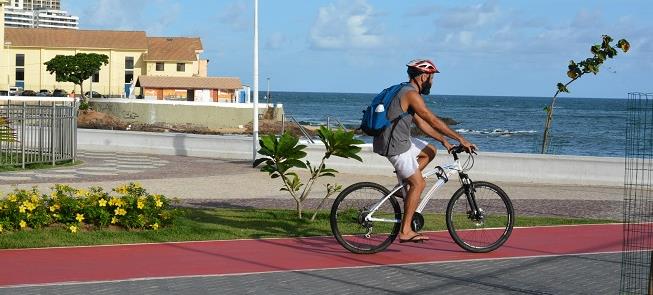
(348,222)
(489,227)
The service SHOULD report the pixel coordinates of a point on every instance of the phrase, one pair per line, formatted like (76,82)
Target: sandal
(413,239)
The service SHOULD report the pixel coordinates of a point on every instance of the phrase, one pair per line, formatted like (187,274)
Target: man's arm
(428,130)
(413,100)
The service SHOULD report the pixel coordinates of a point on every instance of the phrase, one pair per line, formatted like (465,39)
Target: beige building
(201,89)
(131,54)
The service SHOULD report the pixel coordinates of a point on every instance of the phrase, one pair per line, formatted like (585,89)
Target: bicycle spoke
(484,231)
(348,219)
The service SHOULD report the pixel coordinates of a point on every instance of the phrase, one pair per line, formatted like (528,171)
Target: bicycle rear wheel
(348,218)
(490,227)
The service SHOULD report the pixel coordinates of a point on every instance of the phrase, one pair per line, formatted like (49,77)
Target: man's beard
(426,88)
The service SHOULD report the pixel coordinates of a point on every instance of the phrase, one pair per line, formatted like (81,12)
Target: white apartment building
(38,14)
(35,4)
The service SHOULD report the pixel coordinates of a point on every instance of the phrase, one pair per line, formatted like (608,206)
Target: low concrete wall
(210,115)
(508,167)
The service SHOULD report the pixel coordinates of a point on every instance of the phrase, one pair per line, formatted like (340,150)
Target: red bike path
(162,260)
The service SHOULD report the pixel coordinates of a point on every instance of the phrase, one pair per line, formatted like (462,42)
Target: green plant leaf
(268,145)
(562,88)
(259,161)
(295,163)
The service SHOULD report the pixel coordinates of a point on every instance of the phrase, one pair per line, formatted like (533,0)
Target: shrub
(129,206)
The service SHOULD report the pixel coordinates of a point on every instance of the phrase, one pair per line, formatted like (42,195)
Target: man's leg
(426,155)
(416,186)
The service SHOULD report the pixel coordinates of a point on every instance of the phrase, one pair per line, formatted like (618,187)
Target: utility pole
(255,121)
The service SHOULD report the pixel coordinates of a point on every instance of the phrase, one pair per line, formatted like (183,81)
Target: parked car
(44,92)
(59,93)
(15,91)
(95,94)
(28,93)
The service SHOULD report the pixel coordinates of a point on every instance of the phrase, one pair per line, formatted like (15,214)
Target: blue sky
(513,48)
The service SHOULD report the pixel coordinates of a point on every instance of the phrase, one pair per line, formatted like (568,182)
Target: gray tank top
(395,139)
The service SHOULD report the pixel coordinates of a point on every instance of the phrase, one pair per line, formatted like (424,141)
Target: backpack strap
(396,120)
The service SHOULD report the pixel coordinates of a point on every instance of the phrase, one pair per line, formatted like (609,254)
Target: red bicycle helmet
(423,65)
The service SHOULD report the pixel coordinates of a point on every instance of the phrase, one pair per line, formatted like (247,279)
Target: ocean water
(581,126)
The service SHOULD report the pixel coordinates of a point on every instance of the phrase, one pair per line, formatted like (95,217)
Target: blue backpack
(375,116)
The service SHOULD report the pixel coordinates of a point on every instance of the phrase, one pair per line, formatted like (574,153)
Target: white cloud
(237,15)
(470,17)
(345,25)
(127,15)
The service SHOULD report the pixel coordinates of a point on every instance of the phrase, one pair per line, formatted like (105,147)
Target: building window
(181,67)
(159,67)
(20,74)
(96,77)
(129,76)
(129,63)
(20,60)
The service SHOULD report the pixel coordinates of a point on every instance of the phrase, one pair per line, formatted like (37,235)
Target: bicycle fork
(476,212)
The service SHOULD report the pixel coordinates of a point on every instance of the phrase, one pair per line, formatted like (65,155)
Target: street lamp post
(255,121)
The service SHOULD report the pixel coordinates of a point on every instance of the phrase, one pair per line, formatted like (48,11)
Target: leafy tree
(600,53)
(284,154)
(76,68)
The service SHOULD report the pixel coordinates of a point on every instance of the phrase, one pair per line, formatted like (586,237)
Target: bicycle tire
(467,236)
(349,207)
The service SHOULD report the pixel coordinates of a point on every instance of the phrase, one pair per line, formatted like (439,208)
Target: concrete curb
(503,167)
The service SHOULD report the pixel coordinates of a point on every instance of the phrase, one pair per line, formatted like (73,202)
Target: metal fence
(636,264)
(45,129)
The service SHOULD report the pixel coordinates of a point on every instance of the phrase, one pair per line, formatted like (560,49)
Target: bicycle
(366,217)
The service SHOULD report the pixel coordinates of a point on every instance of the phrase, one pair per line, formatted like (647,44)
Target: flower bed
(128,206)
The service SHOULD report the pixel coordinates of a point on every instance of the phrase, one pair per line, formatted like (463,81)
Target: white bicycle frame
(449,170)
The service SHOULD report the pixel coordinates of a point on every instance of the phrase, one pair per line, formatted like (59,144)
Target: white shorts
(406,163)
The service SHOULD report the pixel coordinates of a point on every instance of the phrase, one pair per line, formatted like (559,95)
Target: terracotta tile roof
(67,38)
(173,48)
(189,82)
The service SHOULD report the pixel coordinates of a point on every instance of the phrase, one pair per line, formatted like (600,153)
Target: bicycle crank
(418,222)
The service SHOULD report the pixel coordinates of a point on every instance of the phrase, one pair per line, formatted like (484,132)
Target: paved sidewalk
(227,183)
(215,262)
(589,274)
(203,182)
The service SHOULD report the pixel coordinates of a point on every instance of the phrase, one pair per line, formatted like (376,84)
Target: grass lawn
(223,224)
(10,168)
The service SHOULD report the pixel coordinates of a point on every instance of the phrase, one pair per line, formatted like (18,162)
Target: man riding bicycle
(408,155)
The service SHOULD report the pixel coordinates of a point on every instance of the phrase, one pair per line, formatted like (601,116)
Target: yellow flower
(155,226)
(159,203)
(123,189)
(137,184)
(0,228)
(35,198)
(73,229)
(80,217)
(23,224)
(140,204)
(102,202)
(82,193)
(116,202)
(30,206)
(21,209)
(54,207)
(114,220)
(53,195)
(12,198)
(120,211)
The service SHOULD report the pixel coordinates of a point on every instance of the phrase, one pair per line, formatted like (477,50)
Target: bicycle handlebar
(457,150)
